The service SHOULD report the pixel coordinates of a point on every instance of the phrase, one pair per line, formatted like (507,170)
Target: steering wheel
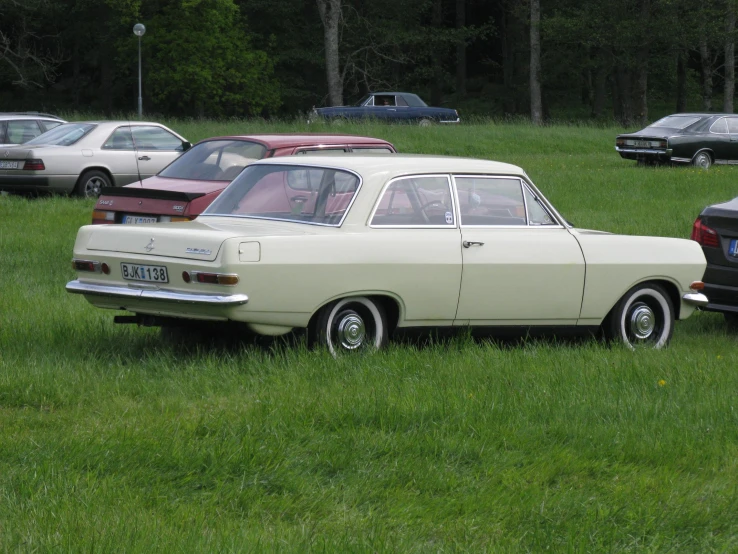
(427,205)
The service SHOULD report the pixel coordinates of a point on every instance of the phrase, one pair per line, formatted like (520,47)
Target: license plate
(8,165)
(134,219)
(137,272)
(642,143)
(733,248)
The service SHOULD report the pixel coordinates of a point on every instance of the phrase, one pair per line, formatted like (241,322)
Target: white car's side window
(491,201)
(121,139)
(419,201)
(537,212)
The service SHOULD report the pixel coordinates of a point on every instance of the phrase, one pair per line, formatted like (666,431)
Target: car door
(414,242)
(520,265)
(156,148)
(119,156)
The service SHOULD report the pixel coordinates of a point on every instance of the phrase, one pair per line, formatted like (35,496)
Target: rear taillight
(619,142)
(210,278)
(704,234)
(34,165)
(102,216)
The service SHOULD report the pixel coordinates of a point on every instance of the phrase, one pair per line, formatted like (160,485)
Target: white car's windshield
(63,135)
(304,194)
(676,121)
(214,160)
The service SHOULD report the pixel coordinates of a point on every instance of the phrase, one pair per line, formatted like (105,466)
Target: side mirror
(186,145)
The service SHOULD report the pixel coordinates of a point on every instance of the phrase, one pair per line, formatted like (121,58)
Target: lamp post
(139,30)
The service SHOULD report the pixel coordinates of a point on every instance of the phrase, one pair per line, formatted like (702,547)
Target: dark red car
(183,189)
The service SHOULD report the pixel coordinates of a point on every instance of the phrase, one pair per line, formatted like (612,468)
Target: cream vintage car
(354,248)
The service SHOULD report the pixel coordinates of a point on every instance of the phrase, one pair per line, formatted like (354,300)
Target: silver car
(20,127)
(80,158)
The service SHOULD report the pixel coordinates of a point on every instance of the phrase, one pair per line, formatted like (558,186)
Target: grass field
(112,440)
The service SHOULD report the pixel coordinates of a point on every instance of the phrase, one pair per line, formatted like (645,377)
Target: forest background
(627,61)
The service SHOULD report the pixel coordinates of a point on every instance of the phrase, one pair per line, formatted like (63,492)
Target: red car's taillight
(34,165)
(704,234)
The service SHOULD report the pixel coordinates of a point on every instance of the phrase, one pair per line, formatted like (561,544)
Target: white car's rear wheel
(90,183)
(349,325)
(644,317)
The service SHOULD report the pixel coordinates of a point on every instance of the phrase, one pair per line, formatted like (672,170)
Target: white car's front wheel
(644,317)
(349,325)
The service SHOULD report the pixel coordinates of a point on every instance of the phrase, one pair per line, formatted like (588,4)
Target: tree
(330,15)
(217,72)
(536,108)
(729,88)
(30,53)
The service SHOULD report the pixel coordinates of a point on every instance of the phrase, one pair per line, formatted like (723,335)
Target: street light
(139,30)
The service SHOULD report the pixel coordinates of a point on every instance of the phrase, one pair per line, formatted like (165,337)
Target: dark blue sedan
(400,107)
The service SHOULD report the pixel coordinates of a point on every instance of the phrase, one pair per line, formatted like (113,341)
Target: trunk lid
(191,240)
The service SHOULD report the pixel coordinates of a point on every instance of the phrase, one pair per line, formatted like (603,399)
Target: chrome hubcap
(351,330)
(642,322)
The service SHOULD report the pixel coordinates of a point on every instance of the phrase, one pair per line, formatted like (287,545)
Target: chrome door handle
(144,158)
(470,243)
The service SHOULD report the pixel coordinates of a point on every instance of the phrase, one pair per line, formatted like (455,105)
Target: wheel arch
(100,168)
(392,304)
(671,288)
(706,150)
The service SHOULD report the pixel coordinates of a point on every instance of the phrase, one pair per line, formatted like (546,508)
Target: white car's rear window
(313,195)
(64,135)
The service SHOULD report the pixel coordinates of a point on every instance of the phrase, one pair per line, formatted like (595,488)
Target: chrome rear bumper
(110,291)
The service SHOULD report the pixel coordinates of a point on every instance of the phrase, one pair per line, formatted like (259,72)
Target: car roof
(400,164)
(388,93)
(278,140)
(15,116)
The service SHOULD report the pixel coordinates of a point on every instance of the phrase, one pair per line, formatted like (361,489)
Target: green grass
(112,440)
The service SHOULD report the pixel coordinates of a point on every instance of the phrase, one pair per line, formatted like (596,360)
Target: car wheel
(644,317)
(702,160)
(349,325)
(425,122)
(90,183)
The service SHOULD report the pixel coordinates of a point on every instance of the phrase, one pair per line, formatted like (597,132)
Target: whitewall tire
(644,317)
(349,325)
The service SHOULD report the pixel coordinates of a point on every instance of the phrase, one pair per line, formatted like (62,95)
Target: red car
(183,189)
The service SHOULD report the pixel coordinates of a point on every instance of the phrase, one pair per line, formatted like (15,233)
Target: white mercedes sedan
(80,158)
(354,248)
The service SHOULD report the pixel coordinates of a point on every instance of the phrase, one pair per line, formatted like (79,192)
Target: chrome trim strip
(112,291)
(457,120)
(643,151)
(685,160)
(696,299)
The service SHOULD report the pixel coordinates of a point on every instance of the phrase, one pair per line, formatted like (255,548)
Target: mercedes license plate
(139,219)
(733,248)
(137,272)
(8,165)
